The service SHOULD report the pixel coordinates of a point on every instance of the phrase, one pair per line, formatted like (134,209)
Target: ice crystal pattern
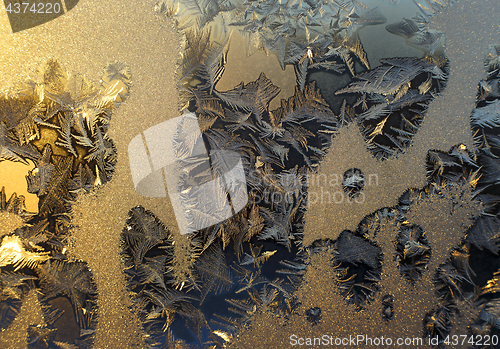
(254,264)
(74,117)
(256,261)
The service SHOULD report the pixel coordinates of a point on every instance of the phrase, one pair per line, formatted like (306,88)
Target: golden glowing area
(13,178)
(245,68)
(12,252)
